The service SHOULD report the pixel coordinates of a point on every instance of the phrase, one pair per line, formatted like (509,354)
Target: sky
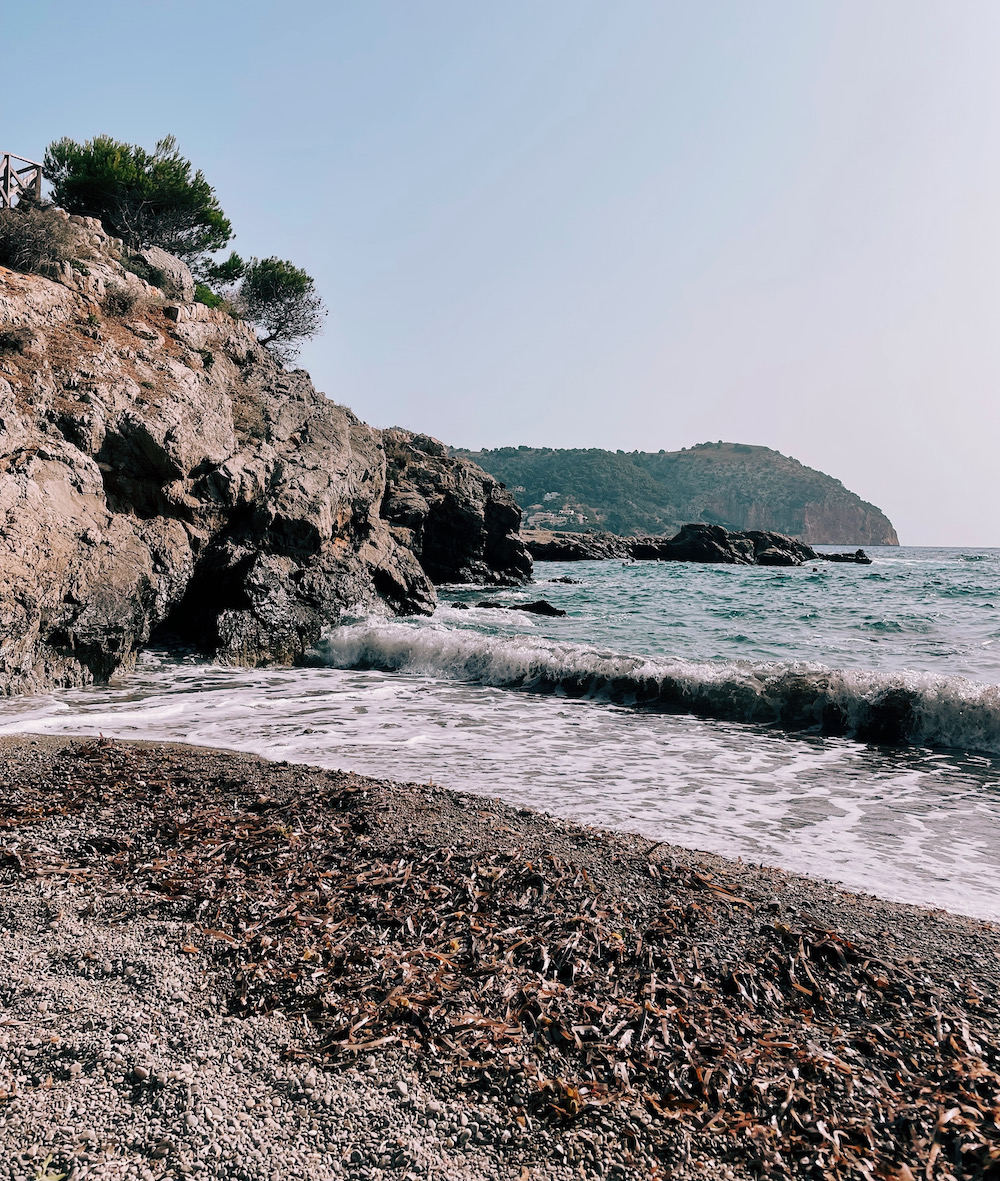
(637,224)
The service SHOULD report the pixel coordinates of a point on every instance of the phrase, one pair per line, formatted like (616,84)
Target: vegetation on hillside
(145,198)
(730,484)
(158,199)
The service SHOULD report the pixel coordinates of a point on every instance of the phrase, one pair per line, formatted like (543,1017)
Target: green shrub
(226,273)
(81,268)
(205,295)
(281,300)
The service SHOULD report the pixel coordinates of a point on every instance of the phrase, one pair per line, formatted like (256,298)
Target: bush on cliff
(281,300)
(35,238)
(144,198)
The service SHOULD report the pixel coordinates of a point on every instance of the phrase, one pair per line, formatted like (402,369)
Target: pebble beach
(214,966)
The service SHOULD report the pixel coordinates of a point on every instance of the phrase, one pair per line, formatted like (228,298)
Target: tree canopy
(145,198)
(281,300)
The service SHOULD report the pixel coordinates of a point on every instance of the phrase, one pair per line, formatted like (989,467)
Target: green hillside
(730,484)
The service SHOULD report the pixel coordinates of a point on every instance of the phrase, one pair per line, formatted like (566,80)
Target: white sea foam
(798,650)
(915,708)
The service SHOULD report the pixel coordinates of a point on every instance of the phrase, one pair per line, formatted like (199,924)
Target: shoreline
(405,981)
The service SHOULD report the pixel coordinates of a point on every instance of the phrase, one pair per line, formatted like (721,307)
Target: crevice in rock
(136,468)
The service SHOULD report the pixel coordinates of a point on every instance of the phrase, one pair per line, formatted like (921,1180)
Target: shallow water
(433,699)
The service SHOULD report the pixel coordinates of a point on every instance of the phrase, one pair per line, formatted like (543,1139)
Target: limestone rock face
(161,471)
(460,522)
(179,280)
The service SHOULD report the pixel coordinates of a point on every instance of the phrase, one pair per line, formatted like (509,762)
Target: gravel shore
(212,966)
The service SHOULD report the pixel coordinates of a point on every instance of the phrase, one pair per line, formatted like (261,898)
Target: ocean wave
(910,708)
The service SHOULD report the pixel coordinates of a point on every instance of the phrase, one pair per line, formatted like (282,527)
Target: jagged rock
(179,280)
(168,474)
(712,543)
(694,543)
(459,521)
(547,546)
(772,556)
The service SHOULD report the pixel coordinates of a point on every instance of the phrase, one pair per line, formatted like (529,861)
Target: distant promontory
(736,485)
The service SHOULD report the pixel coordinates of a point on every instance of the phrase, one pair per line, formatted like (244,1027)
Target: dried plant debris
(714,1012)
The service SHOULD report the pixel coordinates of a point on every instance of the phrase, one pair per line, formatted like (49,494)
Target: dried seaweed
(801,1051)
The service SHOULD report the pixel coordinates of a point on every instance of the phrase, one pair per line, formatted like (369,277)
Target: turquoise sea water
(839,720)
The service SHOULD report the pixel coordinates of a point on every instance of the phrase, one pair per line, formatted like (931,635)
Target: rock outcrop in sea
(159,470)
(693,543)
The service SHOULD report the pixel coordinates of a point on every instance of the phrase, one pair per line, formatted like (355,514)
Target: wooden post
(14,180)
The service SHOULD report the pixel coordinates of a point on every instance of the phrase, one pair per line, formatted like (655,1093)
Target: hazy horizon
(573,224)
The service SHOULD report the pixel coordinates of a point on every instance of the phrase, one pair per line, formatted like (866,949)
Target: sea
(841,721)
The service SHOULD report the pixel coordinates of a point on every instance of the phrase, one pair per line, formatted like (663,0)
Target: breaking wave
(919,709)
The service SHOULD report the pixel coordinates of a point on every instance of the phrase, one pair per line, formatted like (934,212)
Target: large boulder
(177,280)
(460,522)
(163,473)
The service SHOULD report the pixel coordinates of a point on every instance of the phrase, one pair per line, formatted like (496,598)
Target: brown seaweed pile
(561,976)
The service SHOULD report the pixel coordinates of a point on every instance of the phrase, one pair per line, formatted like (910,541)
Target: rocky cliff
(158,470)
(460,522)
(735,485)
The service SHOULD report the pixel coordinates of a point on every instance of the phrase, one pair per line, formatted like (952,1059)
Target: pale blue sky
(637,224)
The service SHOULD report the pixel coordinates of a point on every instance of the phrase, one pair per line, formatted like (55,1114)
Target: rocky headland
(735,485)
(693,543)
(160,472)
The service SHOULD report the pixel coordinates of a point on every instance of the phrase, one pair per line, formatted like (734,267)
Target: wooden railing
(18,176)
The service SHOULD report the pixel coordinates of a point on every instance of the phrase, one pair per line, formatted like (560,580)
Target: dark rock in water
(541,607)
(859,556)
(776,557)
(459,606)
(694,543)
(712,543)
(546,546)
(567,581)
(461,523)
